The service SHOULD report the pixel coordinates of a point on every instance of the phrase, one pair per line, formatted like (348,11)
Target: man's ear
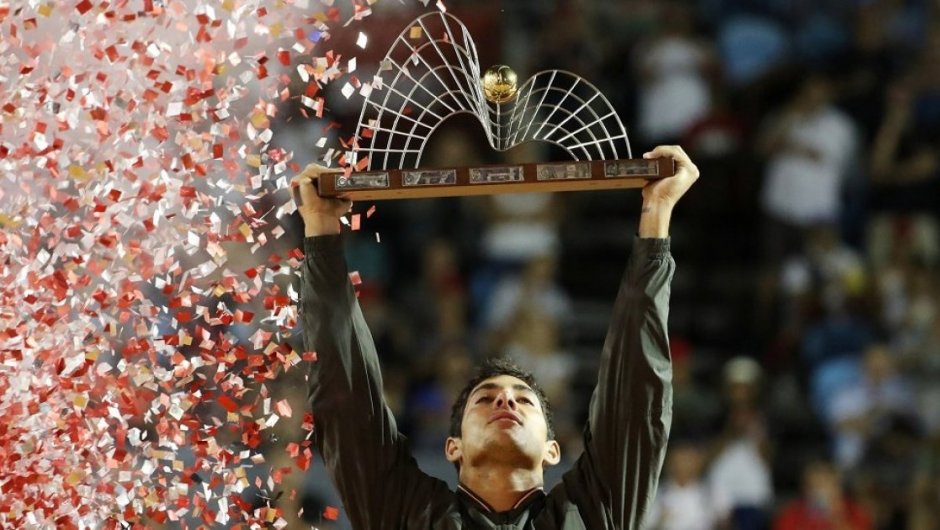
(552,453)
(453,450)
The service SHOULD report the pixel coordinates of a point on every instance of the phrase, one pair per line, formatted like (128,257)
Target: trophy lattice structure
(431,73)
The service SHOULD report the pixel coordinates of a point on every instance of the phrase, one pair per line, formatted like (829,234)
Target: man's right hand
(320,214)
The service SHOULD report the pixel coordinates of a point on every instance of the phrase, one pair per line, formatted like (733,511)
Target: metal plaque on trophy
(431,73)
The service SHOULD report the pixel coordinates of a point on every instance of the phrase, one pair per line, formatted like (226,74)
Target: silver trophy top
(431,72)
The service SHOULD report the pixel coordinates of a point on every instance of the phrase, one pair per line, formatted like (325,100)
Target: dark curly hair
(494,367)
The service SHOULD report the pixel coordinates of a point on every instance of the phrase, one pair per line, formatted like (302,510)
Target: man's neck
(499,488)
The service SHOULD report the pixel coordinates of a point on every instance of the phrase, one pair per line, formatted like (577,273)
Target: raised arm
(355,432)
(631,409)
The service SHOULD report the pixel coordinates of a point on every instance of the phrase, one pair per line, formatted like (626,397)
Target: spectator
(674,89)
(536,286)
(905,180)
(827,268)
(809,147)
(861,411)
(696,406)
(884,477)
(685,501)
(823,505)
(740,467)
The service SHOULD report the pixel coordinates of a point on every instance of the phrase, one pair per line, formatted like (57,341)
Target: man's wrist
(321,226)
(654,220)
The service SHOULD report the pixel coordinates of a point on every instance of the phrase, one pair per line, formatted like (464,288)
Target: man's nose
(505,399)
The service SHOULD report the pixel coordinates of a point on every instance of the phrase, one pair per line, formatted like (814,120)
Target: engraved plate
(434,177)
(631,168)
(495,175)
(362,181)
(566,171)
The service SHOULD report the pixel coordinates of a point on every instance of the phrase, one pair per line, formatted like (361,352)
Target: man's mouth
(505,416)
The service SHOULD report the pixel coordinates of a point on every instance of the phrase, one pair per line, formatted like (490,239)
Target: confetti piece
(415,32)
(362,40)
(331,513)
(283,408)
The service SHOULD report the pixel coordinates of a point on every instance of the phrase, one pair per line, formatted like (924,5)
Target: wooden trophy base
(493,179)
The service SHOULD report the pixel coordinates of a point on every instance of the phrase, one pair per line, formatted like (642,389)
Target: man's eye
(484,399)
(525,400)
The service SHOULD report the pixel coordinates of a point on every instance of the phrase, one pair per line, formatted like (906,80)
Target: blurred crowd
(804,321)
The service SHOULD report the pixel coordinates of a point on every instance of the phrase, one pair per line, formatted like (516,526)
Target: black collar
(483,506)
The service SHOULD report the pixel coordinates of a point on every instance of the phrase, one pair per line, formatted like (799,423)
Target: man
(503,441)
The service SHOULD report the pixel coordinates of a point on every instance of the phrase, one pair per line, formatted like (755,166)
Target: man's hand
(660,196)
(321,215)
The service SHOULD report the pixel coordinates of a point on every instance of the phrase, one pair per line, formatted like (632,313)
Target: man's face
(503,423)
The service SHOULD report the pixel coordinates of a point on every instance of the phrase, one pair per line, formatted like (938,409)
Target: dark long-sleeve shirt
(609,487)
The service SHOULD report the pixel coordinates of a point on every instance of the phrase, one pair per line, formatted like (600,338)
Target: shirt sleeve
(354,430)
(614,481)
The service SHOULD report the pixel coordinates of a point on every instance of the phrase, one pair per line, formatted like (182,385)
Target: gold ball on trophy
(499,84)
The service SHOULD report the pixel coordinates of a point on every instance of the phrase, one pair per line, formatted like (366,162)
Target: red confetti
(83,7)
(228,403)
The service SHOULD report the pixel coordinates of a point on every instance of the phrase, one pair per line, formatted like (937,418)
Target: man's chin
(508,441)
(505,451)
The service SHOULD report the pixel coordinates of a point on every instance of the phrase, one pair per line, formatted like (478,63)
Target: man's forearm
(654,221)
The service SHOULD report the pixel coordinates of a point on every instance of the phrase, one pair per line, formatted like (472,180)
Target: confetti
(283,408)
(331,513)
(145,288)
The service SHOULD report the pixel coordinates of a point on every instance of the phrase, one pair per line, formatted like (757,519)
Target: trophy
(430,74)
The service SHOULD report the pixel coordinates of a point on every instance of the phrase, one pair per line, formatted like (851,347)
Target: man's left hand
(668,191)
(660,196)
